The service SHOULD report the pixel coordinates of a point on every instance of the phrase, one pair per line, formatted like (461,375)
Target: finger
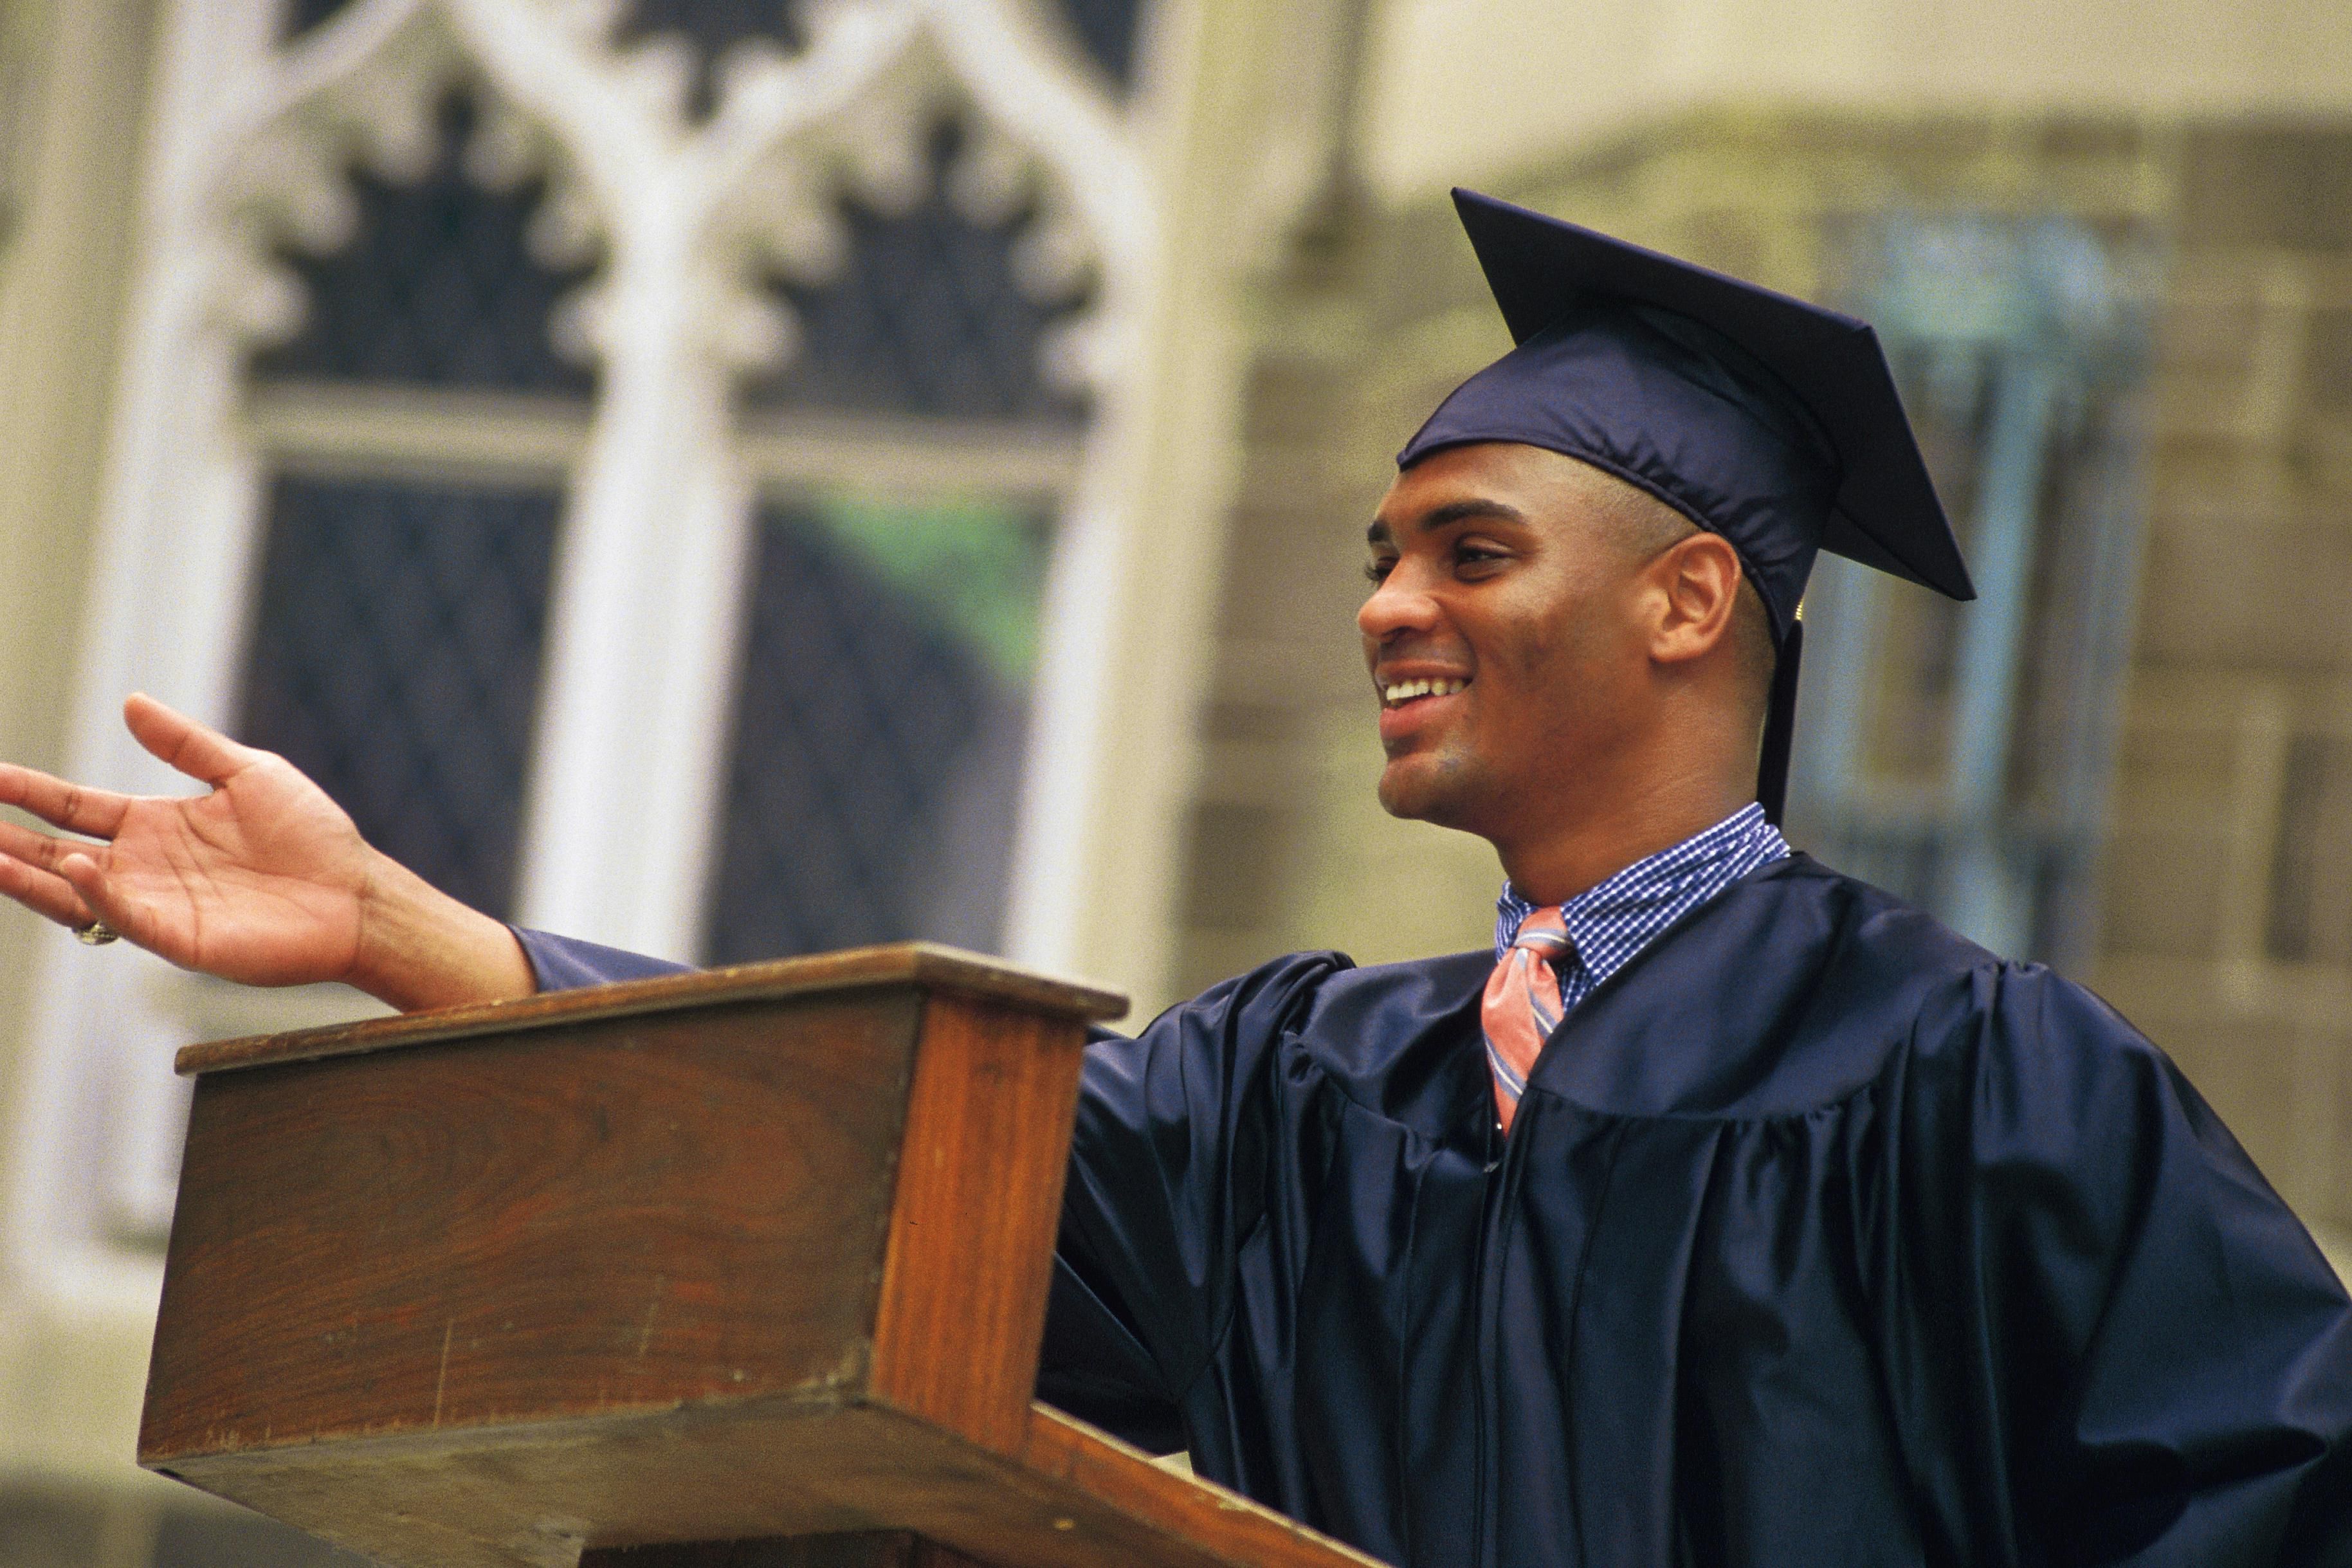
(61,803)
(36,849)
(131,917)
(81,872)
(196,749)
(50,896)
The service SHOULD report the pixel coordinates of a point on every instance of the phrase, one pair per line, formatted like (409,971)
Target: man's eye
(1377,570)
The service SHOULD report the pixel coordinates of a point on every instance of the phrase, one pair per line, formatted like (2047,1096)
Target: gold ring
(98,933)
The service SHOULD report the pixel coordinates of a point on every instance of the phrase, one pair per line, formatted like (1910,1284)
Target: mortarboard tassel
(1781,725)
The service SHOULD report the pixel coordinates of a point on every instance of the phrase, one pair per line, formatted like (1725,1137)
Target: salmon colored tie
(1522,1006)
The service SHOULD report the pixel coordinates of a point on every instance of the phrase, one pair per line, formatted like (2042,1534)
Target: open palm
(263,880)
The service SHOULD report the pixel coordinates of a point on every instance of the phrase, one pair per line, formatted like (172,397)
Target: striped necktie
(1522,1004)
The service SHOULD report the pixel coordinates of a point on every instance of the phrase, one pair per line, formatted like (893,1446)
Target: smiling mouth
(1398,693)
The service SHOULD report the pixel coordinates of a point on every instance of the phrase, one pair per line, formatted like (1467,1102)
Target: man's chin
(1421,788)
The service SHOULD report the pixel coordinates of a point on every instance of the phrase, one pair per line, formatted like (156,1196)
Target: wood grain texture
(1065,1451)
(623,1212)
(944,970)
(964,1281)
(534,1497)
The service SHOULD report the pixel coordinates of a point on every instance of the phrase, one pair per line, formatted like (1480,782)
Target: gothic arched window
(639,459)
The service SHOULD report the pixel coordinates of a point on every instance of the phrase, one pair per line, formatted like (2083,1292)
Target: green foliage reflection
(977,566)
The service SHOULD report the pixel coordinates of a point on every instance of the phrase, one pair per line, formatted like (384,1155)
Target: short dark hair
(1645,526)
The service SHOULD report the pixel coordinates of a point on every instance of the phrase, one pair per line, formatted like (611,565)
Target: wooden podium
(729,1270)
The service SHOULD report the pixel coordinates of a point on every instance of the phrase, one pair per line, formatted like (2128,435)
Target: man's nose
(1396,605)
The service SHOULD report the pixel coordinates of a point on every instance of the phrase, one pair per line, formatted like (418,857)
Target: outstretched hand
(262,879)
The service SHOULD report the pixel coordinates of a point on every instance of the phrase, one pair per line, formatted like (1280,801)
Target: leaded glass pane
(878,730)
(927,319)
(394,657)
(301,16)
(710,28)
(1107,29)
(438,287)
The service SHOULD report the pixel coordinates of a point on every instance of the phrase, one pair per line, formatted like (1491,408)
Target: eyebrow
(1451,512)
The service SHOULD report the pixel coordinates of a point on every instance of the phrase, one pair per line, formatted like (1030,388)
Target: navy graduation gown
(1822,1237)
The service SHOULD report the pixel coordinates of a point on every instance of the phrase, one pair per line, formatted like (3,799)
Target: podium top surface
(923,965)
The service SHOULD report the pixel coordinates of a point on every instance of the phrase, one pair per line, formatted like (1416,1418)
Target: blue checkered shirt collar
(1613,921)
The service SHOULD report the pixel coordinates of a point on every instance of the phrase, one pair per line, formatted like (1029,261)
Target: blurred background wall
(735,479)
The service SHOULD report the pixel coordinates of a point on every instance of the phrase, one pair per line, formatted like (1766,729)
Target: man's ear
(1695,586)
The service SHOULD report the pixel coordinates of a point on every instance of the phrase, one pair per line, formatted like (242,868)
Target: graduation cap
(1760,417)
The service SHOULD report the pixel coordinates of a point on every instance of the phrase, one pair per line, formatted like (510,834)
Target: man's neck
(1577,850)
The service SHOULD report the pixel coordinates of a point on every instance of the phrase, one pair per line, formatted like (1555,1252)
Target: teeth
(1406,690)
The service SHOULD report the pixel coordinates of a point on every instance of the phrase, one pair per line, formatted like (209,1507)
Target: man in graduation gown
(1729,1211)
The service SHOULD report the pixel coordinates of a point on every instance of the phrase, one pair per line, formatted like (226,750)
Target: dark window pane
(1107,29)
(710,28)
(878,730)
(396,659)
(301,16)
(436,288)
(925,319)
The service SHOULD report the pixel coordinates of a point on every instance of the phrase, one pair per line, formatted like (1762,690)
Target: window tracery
(336,368)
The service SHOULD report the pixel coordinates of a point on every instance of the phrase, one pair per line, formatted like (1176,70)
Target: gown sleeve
(1183,1137)
(2167,1355)
(566,964)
